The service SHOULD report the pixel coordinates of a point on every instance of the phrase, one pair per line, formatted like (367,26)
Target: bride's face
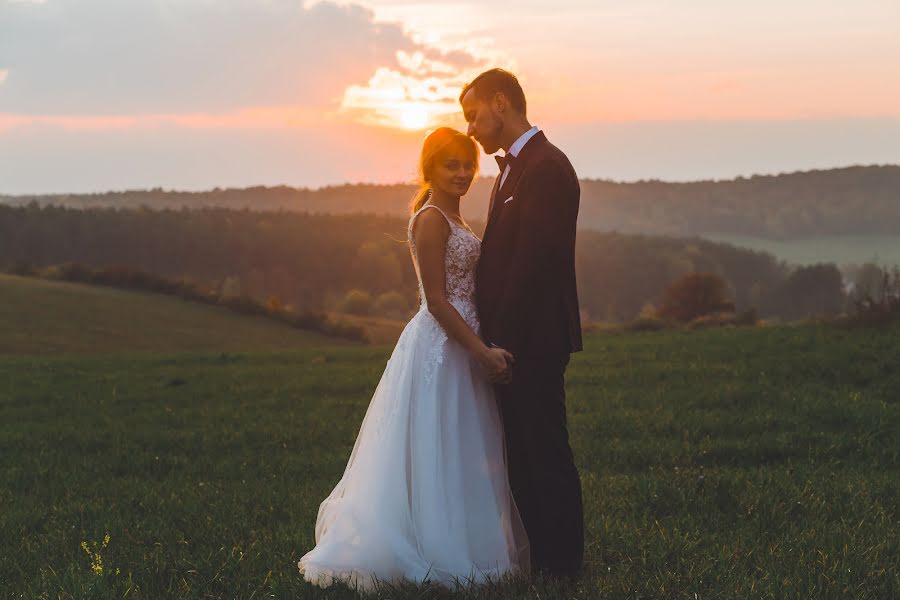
(453,173)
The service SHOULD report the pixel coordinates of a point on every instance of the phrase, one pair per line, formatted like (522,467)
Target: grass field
(39,316)
(729,463)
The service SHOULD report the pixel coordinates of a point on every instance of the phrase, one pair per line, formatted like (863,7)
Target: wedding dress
(425,494)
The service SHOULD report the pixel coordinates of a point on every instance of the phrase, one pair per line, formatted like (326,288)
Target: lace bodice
(460,260)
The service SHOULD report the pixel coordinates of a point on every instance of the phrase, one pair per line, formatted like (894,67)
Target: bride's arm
(430,234)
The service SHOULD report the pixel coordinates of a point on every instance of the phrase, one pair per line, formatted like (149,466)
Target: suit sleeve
(549,206)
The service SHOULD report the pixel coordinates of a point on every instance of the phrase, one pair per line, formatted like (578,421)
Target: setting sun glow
(395,99)
(414,116)
(313,93)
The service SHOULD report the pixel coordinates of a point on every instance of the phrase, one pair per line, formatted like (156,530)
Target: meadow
(882,249)
(717,463)
(40,316)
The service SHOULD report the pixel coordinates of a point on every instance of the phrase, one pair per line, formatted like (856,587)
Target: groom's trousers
(542,473)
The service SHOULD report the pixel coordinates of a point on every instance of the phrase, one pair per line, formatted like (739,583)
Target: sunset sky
(194,94)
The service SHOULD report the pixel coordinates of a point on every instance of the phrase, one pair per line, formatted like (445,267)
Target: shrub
(883,306)
(244,305)
(74,272)
(714,320)
(808,291)
(273,304)
(646,324)
(747,318)
(23,269)
(231,287)
(695,295)
(648,311)
(391,304)
(356,302)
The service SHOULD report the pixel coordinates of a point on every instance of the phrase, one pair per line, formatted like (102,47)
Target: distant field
(838,249)
(41,316)
(731,463)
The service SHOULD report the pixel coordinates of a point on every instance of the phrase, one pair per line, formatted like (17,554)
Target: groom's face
(485,122)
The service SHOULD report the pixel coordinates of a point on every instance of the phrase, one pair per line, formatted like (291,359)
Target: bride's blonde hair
(438,144)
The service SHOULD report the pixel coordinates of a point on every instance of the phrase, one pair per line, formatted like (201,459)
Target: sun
(403,101)
(414,116)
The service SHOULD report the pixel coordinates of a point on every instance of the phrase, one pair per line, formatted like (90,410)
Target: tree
(391,304)
(231,287)
(868,282)
(695,295)
(809,291)
(357,302)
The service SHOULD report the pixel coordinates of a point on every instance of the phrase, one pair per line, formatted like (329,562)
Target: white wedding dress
(425,494)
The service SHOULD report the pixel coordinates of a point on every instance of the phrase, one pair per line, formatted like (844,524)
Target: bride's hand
(497,363)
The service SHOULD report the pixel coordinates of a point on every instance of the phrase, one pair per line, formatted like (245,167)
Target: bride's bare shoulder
(430,226)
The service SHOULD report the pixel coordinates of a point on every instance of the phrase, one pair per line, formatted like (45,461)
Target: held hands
(497,363)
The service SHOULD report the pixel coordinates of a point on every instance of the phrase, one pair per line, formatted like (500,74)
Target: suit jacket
(526,291)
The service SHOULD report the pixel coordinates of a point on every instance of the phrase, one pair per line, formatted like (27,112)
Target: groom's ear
(501,102)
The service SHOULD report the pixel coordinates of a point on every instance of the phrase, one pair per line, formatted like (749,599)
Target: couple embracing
(462,470)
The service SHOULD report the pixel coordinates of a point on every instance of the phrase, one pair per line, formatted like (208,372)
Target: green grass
(731,463)
(43,316)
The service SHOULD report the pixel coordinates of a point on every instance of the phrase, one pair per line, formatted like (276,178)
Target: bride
(425,494)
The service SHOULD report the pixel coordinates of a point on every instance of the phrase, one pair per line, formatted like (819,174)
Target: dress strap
(439,209)
(412,219)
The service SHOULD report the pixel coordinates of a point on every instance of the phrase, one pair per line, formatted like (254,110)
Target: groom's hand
(510,361)
(498,363)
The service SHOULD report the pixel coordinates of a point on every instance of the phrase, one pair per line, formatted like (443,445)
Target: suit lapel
(501,193)
(515,172)
(494,193)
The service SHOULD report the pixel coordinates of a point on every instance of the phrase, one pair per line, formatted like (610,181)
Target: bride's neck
(448,202)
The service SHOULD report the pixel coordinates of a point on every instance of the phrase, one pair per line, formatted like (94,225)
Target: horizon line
(736,178)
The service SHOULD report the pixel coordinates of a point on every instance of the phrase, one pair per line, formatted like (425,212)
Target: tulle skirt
(425,494)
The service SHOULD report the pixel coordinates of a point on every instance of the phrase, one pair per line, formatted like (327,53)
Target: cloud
(420,91)
(96,64)
(106,57)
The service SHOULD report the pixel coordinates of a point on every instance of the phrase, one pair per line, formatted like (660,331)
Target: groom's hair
(491,82)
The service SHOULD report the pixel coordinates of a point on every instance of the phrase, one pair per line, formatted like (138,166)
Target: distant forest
(853,200)
(317,262)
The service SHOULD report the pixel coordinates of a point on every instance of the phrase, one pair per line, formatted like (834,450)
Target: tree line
(852,200)
(314,262)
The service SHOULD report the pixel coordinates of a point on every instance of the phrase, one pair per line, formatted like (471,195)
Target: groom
(528,304)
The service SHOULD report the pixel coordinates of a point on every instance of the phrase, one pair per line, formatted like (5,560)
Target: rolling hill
(39,316)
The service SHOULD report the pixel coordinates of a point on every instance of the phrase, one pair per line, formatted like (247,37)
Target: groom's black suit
(528,304)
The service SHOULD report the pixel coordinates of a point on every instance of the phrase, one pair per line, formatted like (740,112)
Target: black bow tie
(503,161)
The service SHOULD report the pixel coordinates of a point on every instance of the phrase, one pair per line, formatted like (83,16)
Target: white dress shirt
(516,148)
